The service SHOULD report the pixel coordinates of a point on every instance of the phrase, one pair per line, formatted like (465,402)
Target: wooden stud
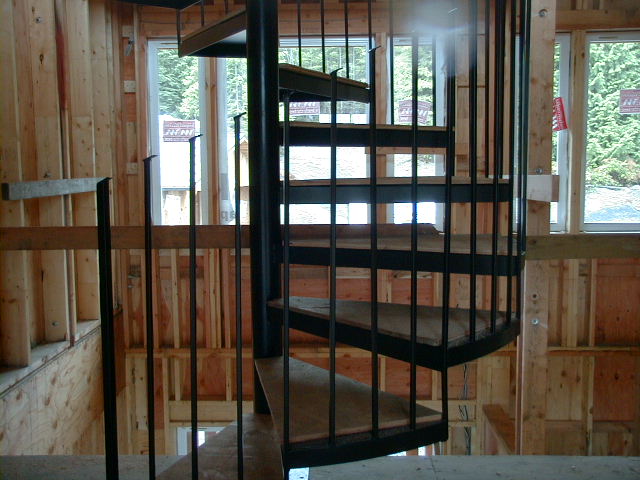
(15,304)
(532,343)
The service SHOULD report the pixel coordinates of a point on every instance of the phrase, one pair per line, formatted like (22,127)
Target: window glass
(561,125)
(428,109)
(305,162)
(612,170)
(175,104)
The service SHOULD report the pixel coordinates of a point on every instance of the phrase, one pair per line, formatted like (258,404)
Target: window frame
(153,104)
(563,152)
(599,37)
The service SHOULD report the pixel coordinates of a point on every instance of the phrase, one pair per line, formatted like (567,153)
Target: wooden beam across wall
(539,247)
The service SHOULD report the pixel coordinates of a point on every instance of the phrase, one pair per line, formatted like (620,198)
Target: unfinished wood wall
(60,119)
(589,388)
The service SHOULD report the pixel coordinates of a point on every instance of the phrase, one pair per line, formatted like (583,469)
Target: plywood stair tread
(178,4)
(224,38)
(316,134)
(321,75)
(312,85)
(309,403)
(366,126)
(217,458)
(427,242)
(422,180)
(394,319)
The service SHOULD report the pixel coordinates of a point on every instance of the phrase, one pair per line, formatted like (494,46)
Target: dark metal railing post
(107,332)
(523,136)
(391,66)
(322,37)
(299,13)
(450,171)
(178,26)
(262,75)
(238,252)
(373,202)
(370,23)
(498,150)
(473,162)
(332,259)
(286,272)
(414,232)
(346,36)
(512,154)
(487,85)
(148,284)
(193,307)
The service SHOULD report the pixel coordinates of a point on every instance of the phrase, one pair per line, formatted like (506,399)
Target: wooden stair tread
(217,458)
(427,242)
(321,75)
(177,4)
(224,38)
(309,402)
(365,126)
(423,180)
(311,85)
(391,190)
(394,319)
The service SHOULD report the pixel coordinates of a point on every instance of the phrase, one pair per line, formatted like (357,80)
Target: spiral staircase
(306,415)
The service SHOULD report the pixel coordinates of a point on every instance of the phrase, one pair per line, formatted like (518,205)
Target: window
(306,162)
(612,168)
(176,100)
(560,152)
(431,94)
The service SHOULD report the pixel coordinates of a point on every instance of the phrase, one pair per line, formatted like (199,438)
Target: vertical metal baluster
(299,12)
(391,66)
(148,266)
(473,163)
(346,35)
(178,26)
(414,231)
(286,273)
(450,171)
(487,84)
(322,37)
(434,78)
(332,260)
(370,23)
(106,329)
(498,149)
(373,202)
(226,6)
(238,251)
(512,154)
(202,13)
(525,49)
(192,307)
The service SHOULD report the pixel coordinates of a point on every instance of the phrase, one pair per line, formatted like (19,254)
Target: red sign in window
(630,101)
(178,130)
(304,108)
(405,111)
(559,115)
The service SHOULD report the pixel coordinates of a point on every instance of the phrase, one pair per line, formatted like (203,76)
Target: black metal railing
(504,147)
